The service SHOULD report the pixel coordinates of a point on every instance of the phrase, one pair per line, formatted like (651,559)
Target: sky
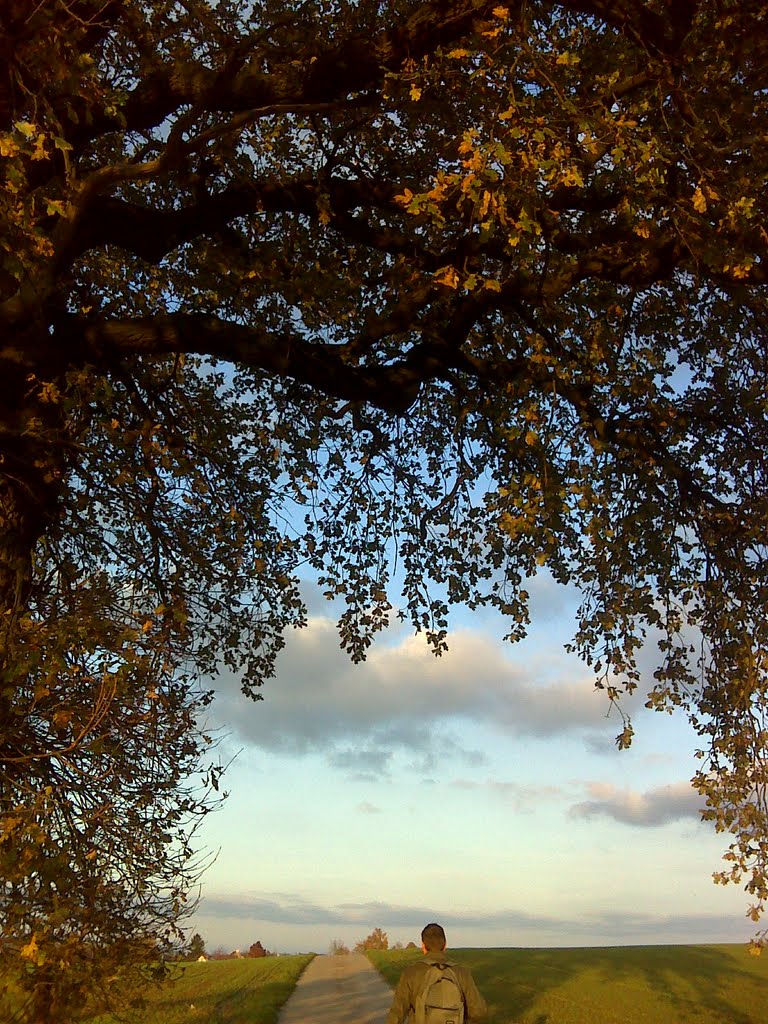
(482,789)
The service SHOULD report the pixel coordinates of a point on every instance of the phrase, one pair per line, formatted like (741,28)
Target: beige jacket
(412,979)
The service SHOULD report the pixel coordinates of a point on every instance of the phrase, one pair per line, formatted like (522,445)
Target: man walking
(436,990)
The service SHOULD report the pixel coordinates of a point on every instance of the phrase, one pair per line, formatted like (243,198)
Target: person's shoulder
(416,968)
(461,970)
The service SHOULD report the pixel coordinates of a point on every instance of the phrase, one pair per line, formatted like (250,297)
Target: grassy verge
(615,985)
(221,992)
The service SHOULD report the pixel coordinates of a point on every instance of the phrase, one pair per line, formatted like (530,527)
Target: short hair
(433,937)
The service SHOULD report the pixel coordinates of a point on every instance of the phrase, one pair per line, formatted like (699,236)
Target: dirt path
(338,990)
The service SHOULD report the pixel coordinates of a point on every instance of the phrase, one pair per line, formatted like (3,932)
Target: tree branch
(355,64)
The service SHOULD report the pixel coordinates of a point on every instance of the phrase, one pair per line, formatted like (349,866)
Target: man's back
(412,982)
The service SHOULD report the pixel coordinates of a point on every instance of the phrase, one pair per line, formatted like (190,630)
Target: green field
(222,992)
(612,985)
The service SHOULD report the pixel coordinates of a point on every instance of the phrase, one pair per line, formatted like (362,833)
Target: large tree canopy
(471,288)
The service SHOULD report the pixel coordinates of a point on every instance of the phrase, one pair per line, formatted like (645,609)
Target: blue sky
(482,789)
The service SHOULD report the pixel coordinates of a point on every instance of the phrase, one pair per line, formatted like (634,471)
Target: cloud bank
(505,926)
(403,697)
(654,807)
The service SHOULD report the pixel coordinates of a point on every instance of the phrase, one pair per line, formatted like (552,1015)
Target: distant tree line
(378,939)
(196,948)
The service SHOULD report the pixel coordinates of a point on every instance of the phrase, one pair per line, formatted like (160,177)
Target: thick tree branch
(355,64)
(392,387)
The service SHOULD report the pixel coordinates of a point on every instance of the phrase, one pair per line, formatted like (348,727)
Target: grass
(612,985)
(221,992)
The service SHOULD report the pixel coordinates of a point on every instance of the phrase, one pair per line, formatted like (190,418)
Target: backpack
(441,999)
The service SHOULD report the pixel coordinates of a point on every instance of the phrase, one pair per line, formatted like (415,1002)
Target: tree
(338,948)
(481,286)
(376,940)
(196,947)
(257,950)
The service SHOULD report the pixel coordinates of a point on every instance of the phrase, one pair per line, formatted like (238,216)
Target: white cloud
(404,698)
(654,807)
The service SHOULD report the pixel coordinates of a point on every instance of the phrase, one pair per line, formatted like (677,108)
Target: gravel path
(338,990)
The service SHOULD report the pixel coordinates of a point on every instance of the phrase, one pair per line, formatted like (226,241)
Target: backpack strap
(446,970)
(420,1006)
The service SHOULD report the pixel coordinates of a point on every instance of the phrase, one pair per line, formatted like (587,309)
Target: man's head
(433,938)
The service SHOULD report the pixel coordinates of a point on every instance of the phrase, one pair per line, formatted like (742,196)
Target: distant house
(202,959)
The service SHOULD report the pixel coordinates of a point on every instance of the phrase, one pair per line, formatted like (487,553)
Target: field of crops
(616,985)
(222,992)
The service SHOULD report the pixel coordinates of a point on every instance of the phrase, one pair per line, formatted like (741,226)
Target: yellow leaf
(744,206)
(415,93)
(55,206)
(642,230)
(501,12)
(49,392)
(405,198)
(492,286)
(466,183)
(572,176)
(448,276)
(739,271)
(29,952)
(458,53)
(699,202)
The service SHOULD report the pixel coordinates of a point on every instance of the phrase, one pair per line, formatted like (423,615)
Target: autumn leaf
(699,201)
(448,276)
